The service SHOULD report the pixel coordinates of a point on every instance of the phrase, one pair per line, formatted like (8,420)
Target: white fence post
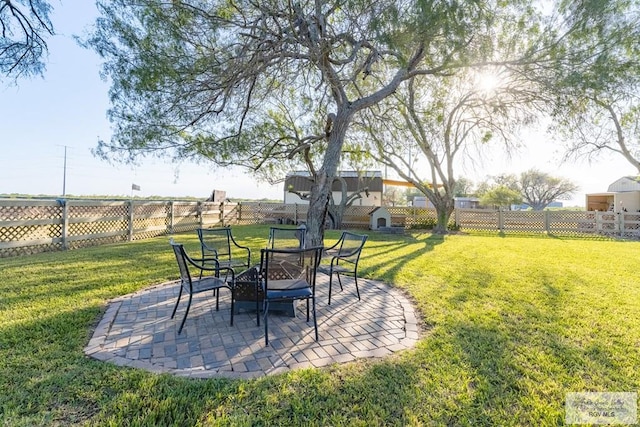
(500,221)
(547,221)
(130,228)
(171,219)
(65,223)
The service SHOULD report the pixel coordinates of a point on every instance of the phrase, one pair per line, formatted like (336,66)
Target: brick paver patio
(136,330)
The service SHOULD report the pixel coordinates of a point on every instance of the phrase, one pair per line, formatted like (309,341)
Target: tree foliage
(535,188)
(250,82)
(596,81)
(501,196)
(539,189)
(24,28)
(202,79)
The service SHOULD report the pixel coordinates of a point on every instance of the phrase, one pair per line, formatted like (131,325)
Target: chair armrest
(242,247)
(200,262)
(239,245)
(203,267)
(336,244)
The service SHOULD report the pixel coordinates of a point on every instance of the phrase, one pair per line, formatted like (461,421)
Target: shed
(622,195)
(379,218)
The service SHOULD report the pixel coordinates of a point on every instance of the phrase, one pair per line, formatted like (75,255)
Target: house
(460,202)
(297,186)
(622,195)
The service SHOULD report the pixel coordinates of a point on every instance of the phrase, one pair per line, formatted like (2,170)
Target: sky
(65,110)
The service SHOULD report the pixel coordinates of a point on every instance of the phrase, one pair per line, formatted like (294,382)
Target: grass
(512,325)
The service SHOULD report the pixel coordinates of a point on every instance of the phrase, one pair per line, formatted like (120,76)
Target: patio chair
(203,283)
(220,244)
(287,238)
(289,275)
(344,255)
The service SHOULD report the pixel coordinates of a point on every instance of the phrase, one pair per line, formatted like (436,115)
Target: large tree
(539,189)
(500,196)
(24,29)
(534,187)
(425,129)
(197,77)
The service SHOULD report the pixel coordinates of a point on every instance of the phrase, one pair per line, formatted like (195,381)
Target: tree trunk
(321,188)
(444,209)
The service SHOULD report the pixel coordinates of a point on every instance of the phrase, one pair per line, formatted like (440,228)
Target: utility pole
(64,173)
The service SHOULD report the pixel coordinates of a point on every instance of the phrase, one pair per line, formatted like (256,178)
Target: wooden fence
(31,226)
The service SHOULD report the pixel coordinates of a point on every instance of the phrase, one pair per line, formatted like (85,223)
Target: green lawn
(511,324)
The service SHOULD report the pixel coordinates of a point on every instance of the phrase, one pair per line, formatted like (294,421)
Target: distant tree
(394,196)
(464,187)
(539,189)
(501,196)
(24,28)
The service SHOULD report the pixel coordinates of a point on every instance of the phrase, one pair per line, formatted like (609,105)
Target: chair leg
(258,304)
(340,281)
(307,309)
(177,302)
(217,293)
(233,298)
(355,278)
(266,322)
(315,323)
(330,282)
(185,314)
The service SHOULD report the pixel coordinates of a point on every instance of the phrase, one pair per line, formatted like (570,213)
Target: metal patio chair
(195,284)
(289,275)
(287,238)
(344,256)
(220,244)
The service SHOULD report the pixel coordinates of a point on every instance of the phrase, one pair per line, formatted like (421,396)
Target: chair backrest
(290,264)
(287,238)
(181,258)
(216,241)
(351,246)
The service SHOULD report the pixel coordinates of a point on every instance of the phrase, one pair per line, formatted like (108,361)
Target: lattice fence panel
(523,222)
(419,218)
(572,222)
(398,215)
(270,213)
(357,217)
(607,223)
(185,217)
(150,220)
(210,213)
(251,213)
(231,214)
(91,225)
(631,224)
(38,222)
(478,219)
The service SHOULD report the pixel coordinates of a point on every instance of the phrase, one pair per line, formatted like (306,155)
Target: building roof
(626,183)
(343,174)
(355,180)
